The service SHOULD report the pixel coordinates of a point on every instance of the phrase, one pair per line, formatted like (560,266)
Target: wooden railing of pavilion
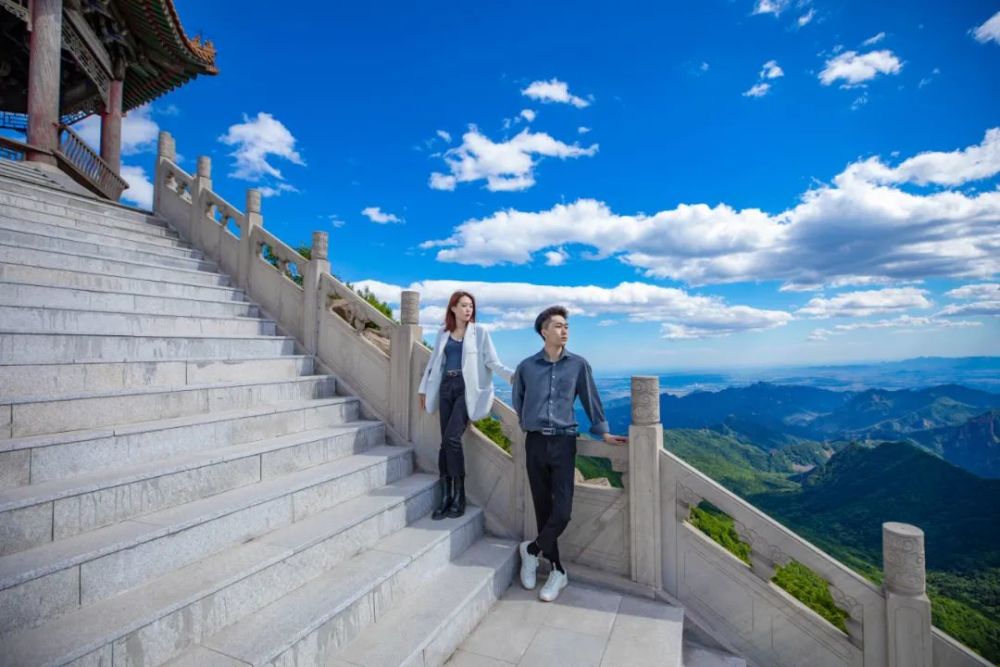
(81,162)
(642,535)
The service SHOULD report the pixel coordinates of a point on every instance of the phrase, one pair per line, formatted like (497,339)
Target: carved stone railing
(12,149)
(642,531)
(86,166)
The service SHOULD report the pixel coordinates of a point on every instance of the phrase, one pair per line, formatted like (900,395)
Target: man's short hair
(546,315)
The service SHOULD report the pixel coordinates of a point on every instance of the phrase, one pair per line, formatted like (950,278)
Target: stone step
(34,319)
(696,655)
(113,268)
(38,177)
(88,502)
(426,626)
(155,622)
(40,414)
(38,459)
(58,348)
(26,207)
(309,624)
(58,380)
(106,238)
(110,560)
(102,282)
(22,294)
(165,259)
(82,205)
(170,258)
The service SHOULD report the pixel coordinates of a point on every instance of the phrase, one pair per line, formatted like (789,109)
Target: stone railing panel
(362,364)
(221,240)
(276,293)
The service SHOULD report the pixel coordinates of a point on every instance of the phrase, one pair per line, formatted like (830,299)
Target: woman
(459,382)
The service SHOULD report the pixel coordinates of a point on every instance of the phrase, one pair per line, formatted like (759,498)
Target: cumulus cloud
(855,68)
(140,188)
(774,7)
(874,39)
(445,136)
(553,90)
(975,291)
(556,257)
(583,130)
(505,166)
(989,31)
(982,299)
(757,90)
(256,140)
(511,305)
(771,70)
(528,114)
(870,302)
(139,131)
(378,216)
(861,228)
(807,18)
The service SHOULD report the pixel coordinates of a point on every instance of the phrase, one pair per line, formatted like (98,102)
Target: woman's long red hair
(449,317)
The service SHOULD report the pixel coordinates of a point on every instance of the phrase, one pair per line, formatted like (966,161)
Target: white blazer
(479,362)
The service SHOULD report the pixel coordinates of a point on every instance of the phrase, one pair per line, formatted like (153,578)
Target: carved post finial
(409,307)
(320,245)
(645,400)
(204,166)
(903,558)
(165,147)
(253,201)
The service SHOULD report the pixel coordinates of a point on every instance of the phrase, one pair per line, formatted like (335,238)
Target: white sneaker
(556,582)
(529,566)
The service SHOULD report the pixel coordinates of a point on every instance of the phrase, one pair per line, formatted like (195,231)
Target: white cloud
(376,215)
(256,140)
(987,308)
(771,70)
(975,291)
(861,228)
(770,7)
(988,31)
(704,67)
(807,18)
(335,221)
(583,130)
(903,323)
(276,190)
(556,257)
(859,101)
(875,39)
(139,131)
(140,188)
(515,305)
(554,90)
(854,68)
(444,135)
(870,302)
(505,166)
(758,90)
(529,114)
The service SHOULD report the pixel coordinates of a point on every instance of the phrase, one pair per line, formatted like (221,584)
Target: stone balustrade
(643,531)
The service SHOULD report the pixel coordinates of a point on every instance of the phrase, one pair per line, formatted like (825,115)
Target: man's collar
(540,356)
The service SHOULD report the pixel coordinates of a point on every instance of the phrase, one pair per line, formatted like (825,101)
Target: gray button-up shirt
(544,393)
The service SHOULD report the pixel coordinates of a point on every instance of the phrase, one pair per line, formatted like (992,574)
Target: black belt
(549,430)
(453,374)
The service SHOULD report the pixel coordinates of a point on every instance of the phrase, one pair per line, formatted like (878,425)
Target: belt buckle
(548,430)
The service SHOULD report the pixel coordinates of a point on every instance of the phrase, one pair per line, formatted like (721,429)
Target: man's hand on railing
(615,439)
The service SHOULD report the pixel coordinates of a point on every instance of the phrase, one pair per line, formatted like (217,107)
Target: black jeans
(454,418)
(551,462)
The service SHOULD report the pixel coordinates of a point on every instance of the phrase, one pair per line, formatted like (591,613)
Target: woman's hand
(423,401)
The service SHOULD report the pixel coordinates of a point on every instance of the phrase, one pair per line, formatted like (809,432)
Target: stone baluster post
(907,607)
(402,393)
(165,150)
(314,270)
(645,440)
(200,184)
(252,219)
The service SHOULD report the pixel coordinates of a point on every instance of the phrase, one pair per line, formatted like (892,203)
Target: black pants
(454,418)
(551,462)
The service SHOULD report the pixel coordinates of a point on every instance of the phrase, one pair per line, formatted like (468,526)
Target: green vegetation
(493,429)
(595,467)
(718,525)
(812,590)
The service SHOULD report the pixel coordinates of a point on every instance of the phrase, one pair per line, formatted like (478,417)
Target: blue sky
(718,183)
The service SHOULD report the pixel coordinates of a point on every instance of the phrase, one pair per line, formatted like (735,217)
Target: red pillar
(111,128)
(43,78)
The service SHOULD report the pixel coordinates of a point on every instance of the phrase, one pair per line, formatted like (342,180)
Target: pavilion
(63,60)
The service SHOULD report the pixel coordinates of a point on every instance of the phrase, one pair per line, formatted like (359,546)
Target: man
(546,385)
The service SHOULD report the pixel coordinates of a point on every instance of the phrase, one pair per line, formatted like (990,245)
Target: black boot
(447,498)
(458,508)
